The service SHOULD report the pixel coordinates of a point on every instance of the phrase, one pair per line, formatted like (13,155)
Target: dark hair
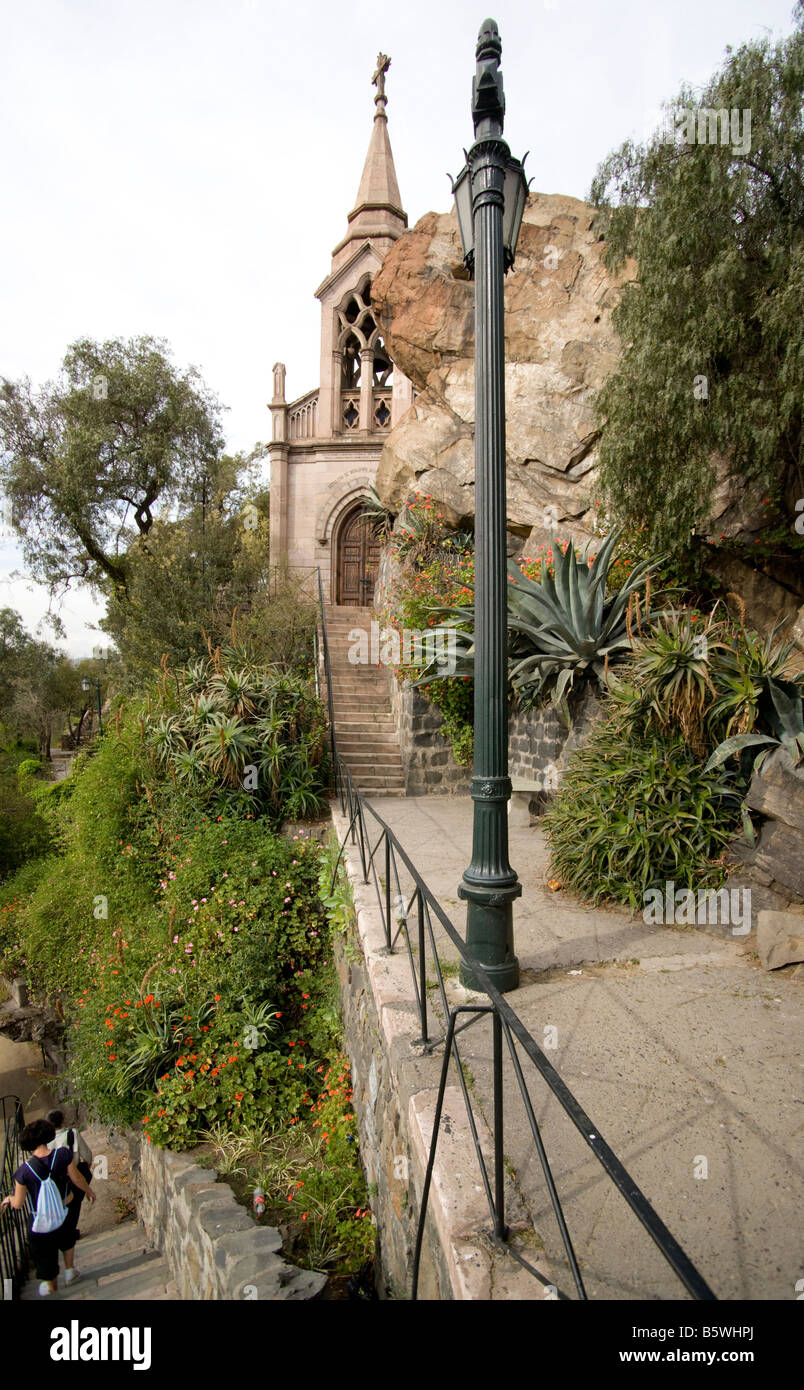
(55,1118)
(36,1133)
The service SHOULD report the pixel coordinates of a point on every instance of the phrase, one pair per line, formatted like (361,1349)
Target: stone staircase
(115,1264)
(365,731)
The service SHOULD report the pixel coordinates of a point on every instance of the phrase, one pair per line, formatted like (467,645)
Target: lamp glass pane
(463,207)
(515,193)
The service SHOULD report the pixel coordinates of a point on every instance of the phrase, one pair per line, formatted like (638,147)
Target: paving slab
(678,1046)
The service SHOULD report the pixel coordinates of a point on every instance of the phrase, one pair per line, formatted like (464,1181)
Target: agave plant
(167,737)
(237,690)
(557,627)
(232,716)
(377,513)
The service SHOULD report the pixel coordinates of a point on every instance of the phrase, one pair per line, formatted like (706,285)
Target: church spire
(378,209)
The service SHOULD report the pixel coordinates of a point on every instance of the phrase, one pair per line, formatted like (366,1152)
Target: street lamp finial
(488,100)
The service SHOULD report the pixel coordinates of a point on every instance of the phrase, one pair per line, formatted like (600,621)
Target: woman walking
(73,1140)
(62,1168)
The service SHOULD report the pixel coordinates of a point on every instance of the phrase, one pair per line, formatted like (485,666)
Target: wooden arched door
(358,560)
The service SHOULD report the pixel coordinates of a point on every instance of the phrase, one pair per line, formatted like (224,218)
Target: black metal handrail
(14,1246)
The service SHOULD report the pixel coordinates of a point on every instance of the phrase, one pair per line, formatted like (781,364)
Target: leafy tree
(13,641)
(713,350)
(88,460)
(40,688)
(189,576)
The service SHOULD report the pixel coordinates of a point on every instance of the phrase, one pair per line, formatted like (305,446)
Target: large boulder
(560,346)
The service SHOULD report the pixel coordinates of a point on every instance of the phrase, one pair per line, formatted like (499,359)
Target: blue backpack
(50,1209)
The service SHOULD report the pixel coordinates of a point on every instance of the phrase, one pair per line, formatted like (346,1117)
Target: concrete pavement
(678,1046)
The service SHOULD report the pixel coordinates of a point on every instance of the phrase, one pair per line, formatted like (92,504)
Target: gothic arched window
(358,333)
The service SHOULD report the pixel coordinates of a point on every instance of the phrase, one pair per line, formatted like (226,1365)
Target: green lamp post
(490,196)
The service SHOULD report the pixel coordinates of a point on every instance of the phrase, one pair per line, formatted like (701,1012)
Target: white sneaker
(70,1275)
(44,1289)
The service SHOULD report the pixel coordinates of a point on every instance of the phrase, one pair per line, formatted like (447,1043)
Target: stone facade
(213,1247)
(427,759)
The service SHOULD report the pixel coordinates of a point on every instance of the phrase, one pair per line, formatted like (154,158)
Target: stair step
(372,779)
(126,1230)
(112,1279)
(358,742)
(370,758)
(111,1263)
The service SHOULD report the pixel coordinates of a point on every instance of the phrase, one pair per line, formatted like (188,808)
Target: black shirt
(61,1158)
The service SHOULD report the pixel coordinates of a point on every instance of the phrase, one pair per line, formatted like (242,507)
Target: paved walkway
(677,1045)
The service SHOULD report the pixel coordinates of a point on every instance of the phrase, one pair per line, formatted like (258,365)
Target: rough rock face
(560,346)
(773,869)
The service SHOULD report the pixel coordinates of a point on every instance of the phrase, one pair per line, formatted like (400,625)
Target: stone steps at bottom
(113,1265)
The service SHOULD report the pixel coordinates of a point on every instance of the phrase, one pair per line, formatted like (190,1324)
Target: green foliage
(310,1174)
(638,805)
(87,459)
(455,698)
(24,833)
(559,625)
(710,682)
(377,512)
(233,734)
(717,232)
(636,812)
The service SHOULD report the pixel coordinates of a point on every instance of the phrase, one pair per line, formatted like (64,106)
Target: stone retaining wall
(213,1247)
(395,1085)
(536,740)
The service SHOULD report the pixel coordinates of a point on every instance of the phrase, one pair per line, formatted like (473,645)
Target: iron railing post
(500,1228)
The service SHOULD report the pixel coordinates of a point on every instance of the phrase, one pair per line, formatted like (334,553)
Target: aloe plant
(235,733)
(787,720)
(559,626)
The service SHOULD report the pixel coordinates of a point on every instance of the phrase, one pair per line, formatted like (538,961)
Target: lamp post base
(490,935)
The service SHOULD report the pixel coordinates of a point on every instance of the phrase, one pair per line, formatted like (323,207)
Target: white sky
(184,167)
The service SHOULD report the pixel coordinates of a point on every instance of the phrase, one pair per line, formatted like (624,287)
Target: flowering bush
(218,1021)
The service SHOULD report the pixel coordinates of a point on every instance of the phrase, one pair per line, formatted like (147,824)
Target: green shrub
(634,813)
(238,737)
(455,699)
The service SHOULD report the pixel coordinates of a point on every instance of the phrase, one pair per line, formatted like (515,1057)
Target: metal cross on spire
(378,80)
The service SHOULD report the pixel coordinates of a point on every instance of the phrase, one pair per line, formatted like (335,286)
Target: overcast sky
(184,168)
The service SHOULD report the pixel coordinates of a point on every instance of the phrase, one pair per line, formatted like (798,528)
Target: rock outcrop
(560,346)
(773,869)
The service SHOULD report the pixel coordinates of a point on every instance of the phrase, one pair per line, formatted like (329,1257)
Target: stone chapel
(325,446)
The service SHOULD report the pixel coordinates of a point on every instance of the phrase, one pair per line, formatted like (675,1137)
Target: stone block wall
(213,1247)
(427,760)
(535,740)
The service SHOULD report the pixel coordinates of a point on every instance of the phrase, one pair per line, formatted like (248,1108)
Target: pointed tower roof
(378,210)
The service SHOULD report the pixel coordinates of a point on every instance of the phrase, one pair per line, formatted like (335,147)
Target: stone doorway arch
(357,559)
